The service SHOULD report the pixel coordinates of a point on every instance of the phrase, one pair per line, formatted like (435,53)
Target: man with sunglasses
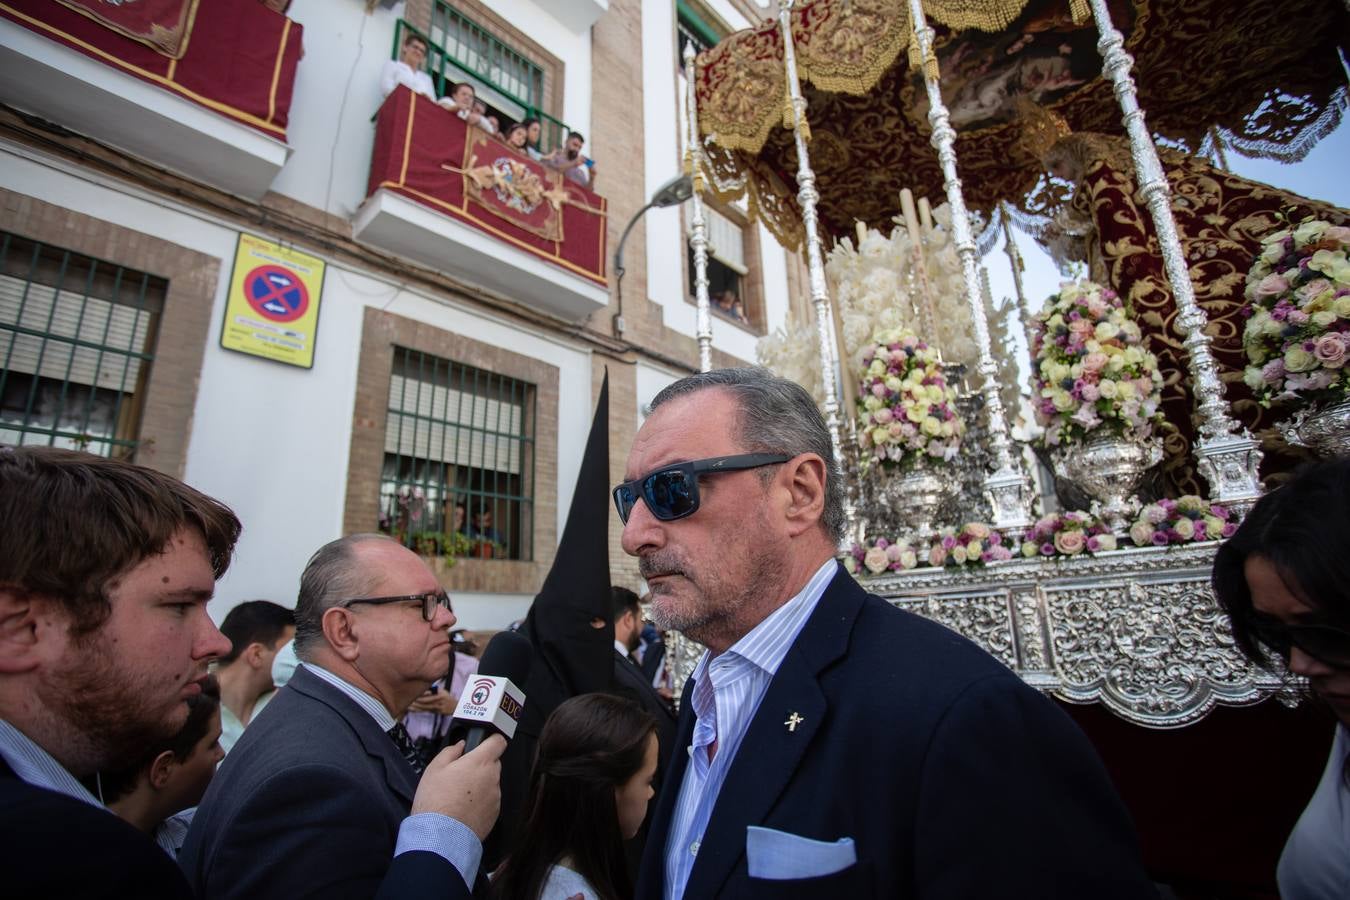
(325,794)
(830,744)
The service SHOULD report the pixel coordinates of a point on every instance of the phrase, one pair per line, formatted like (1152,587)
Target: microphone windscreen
(508,655)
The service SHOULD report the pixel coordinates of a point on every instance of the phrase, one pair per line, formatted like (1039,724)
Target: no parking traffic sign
(273,307)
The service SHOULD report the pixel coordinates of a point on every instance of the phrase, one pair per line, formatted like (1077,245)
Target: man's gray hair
(331,576)
(776,416)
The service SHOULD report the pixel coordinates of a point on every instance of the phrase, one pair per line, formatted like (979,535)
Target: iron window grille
(458,474)
(77,340)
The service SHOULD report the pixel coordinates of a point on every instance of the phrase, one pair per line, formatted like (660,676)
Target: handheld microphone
(492,702)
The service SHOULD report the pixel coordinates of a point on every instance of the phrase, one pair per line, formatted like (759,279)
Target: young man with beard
(105,572)
(838,746)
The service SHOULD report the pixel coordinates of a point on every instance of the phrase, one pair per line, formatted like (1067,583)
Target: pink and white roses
(1067,534)
(1184,520)
(972,544)
(1297,335)
(1092,369)
(906,410)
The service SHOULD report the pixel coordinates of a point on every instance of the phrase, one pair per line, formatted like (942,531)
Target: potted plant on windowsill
(486,549)
(457,546)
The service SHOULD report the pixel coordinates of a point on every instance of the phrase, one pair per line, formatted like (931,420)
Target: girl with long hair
(1284,580)
(589,789)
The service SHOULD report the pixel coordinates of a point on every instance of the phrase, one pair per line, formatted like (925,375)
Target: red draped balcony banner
(237,57)
(162,25)
(433,157)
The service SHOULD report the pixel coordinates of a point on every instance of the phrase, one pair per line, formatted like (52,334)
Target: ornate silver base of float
(1136,630)
(1108,469)
(1325,429)
(906,502)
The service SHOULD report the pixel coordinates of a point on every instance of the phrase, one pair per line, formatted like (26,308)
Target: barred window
(458,475)
(77,339)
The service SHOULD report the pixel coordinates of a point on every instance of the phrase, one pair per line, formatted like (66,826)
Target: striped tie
(404,742)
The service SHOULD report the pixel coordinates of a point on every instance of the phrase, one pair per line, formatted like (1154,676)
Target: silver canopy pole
(807,197)
(698,238)
(1226,453)
(1007,486)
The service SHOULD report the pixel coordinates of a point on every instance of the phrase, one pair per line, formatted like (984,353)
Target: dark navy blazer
(953,777)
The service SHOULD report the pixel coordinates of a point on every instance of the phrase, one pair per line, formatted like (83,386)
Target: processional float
(1061,599)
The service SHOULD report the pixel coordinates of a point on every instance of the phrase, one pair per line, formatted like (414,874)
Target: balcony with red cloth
(201,87)
(458,199)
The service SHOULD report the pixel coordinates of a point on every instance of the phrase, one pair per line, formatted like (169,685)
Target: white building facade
(451,365)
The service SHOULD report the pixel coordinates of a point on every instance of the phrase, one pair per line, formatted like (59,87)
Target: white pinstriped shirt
(726,696)
(37,767)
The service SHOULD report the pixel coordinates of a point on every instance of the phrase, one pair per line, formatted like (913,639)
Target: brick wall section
(170,395)
(380,332)
(418,13)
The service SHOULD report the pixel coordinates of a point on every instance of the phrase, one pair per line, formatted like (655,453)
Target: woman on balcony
(1284,580)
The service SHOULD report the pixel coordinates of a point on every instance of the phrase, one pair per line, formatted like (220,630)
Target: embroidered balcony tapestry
(160,24)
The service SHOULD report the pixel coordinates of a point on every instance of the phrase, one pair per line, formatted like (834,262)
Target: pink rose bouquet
(1185,520)
(906,410)
(1067,534)
(972,544)
(1297,335)
(1092,368)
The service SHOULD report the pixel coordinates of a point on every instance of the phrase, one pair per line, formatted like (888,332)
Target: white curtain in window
(726,240)
(71,315)
(429,421)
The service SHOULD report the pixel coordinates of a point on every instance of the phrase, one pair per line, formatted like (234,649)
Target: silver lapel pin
(793,721)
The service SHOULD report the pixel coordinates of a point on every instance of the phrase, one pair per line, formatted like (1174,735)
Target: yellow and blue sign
(273,307)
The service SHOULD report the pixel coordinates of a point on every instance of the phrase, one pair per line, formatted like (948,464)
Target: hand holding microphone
(492,699)
(464,780)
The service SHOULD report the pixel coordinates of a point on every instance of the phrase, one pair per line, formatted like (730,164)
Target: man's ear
(24,621)
(339,628)
(162,769)
(254,654)
(804,479)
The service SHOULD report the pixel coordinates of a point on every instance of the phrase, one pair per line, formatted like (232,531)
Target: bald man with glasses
(324,795)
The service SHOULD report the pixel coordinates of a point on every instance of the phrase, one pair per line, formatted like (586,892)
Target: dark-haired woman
(589,790)
(533,130)
(1284,580)
(516,136)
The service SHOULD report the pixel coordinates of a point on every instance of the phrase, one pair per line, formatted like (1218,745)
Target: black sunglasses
(671,492)
(1327,643)
(429,601)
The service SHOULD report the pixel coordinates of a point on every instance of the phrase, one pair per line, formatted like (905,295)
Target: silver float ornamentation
(1324,428)
(1108,468)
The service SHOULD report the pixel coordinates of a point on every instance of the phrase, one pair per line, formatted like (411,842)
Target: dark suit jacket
(309,804)
(630,682)
(652,658)
(52,845)
(953,778)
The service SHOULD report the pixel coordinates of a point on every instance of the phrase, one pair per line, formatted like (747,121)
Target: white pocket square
(779,856)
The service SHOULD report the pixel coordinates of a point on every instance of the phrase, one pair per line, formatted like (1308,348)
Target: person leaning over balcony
(516,136)
(407,69)
(532,132)
(569,160)
(465,105)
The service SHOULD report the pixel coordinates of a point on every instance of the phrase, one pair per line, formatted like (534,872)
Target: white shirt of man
(482,122)
(396,72)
